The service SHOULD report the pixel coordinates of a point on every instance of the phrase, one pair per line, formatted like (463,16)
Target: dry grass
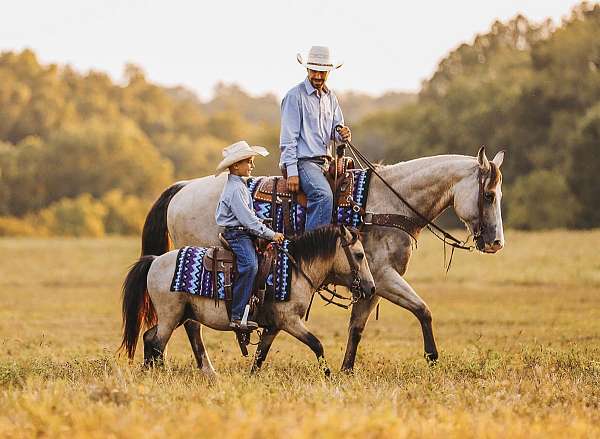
(518,334)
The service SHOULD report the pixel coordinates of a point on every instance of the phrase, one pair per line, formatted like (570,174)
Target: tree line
(81,154)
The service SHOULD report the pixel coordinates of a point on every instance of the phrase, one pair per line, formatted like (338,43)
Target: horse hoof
(348,370)
(431,358)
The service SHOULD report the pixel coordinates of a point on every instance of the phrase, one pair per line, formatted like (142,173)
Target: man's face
(316,78)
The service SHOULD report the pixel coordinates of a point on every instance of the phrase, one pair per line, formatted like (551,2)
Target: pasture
(518,334)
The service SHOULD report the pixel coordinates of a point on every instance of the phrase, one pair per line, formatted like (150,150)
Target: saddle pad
(345,214)
(192,277)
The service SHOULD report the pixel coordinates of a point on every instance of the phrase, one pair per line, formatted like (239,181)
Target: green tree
(81,216)
(541,200)
(585,168)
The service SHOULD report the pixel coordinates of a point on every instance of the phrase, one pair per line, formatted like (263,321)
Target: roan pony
(328,254)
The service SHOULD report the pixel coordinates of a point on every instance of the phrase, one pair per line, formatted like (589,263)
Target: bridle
(355,286)
(481,225)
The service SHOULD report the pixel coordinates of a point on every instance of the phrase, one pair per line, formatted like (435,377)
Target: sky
(385,45)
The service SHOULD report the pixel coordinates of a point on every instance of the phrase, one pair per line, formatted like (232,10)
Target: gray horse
(431,184)
(328,254)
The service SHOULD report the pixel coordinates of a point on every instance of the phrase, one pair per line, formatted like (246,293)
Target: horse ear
(498,158)
(484,163)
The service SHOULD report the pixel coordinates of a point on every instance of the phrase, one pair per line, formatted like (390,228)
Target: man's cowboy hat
(236,152)
(319,59)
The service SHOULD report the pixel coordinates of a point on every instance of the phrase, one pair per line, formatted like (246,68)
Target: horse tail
(155,234)
(137,306)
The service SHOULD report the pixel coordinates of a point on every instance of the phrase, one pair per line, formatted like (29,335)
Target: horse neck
(317,271)
(426,183)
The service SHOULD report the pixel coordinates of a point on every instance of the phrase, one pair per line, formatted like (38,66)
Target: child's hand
(278,238)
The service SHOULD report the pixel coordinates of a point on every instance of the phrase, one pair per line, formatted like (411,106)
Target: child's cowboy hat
(319,59)
(238,151)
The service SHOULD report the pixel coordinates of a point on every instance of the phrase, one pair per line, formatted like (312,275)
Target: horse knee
(423,314)
(355,333)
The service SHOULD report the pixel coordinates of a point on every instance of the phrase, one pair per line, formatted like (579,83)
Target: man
(310,112)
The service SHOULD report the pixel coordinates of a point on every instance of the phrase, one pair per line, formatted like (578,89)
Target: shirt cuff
(269,234)
(292,169)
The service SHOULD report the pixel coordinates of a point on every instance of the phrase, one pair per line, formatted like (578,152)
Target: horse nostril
(497,244)
(372,291)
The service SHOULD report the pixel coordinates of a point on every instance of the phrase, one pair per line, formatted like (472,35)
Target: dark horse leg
(262,350)
(394,288)
(194,333)
(360,314)
(297,329)
(155,341)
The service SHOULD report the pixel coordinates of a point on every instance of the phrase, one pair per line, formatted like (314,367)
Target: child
(236,214)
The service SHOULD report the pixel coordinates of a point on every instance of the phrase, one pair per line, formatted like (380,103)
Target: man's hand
(293,184)
(345,133)
(278,238)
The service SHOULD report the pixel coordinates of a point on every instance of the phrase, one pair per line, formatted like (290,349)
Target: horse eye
(360,256)
(489,197)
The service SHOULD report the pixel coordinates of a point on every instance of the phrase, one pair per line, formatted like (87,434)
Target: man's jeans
(247,267)
(318,193)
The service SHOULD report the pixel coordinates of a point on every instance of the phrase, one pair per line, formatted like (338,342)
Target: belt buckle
(367,219)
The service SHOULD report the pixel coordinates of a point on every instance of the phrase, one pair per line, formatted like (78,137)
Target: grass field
(518,333)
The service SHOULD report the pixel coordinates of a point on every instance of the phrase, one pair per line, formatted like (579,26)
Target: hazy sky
(386,45)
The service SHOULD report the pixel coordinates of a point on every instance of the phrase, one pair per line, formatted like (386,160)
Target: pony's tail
(137,307)
(155,235)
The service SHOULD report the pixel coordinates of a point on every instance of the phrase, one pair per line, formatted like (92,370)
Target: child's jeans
(247,266)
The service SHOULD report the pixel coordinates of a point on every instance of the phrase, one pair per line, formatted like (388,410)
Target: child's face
(243,168)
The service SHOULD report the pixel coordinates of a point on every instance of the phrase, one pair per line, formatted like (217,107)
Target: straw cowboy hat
(319,59)
(238,151)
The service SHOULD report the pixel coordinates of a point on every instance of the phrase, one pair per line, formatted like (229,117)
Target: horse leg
(360,314)
(155,341)
(262,350)
(394,288)
(194,333)
(297,329)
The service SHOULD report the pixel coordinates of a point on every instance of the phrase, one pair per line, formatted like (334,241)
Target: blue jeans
(247,267)
(318,193)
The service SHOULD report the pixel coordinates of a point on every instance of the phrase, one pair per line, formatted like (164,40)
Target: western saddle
(274,190)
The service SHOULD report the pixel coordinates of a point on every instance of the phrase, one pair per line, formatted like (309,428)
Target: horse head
(477,199)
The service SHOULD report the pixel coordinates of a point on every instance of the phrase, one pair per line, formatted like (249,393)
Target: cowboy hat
(238,151)
(319,59)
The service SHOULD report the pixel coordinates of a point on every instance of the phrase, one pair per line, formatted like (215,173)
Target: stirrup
(239,326)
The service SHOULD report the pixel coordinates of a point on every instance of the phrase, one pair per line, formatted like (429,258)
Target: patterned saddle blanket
(194,275)
(261,188)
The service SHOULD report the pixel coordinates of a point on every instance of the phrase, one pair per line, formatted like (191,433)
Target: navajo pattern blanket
(190,276)
(345,215)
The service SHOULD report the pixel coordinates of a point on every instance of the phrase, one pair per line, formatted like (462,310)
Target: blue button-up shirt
(307,120)
(235,209)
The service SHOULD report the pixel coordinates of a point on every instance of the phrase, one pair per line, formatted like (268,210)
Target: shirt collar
(233,177)
(310,89)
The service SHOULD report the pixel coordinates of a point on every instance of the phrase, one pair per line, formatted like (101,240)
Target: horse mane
(314,244)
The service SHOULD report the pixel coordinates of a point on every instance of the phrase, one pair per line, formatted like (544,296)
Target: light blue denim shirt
(235,209)
(307,121)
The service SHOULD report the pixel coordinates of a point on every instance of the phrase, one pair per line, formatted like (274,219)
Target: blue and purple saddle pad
(190,275)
